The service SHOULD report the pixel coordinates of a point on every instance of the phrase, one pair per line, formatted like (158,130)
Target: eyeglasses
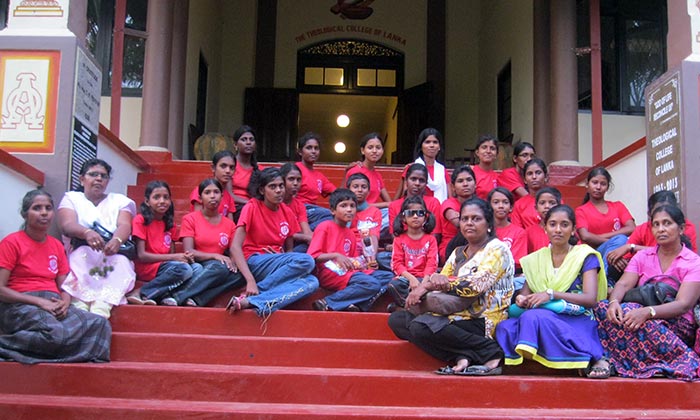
(101,175)
(413,213)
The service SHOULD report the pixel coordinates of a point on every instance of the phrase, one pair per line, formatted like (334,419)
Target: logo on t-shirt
(167,240)
(223,240)
(53,264)
(319,185)
(284,229)
(347,243)
(616,224)
(508,241)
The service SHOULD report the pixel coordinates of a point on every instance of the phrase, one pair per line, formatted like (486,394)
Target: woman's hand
(48,305)
(271,250)
(111,247)
(344,262)
(61,308)
(521,301)
(180,257)
(94,240)
(437,282)
(634,319)
(614,313)
(415,296)
(227,261)
(251,289)
(536,299)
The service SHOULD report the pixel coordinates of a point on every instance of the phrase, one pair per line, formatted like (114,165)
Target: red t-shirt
(313,184)
(418,257)
(431,203)
(485,181)
(511,180)
(516,238)
(240,180)
(588,217)
(299,210)
(524,212)
(449,230)
(157,241)
(536,238)
(226,205)
(370,219)
(431,175)
(210,238)
(33,265)
(329,237)
(376,182)
(266,228)
(642,235)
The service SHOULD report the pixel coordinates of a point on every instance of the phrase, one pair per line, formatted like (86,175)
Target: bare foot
(493,363)
(462,365)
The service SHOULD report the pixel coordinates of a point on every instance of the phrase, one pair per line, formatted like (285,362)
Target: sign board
(664,135)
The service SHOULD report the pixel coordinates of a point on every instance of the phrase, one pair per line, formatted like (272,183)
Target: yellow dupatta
(540,276)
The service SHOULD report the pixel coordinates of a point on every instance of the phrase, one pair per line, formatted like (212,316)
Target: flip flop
(445,370)
(480,370)
(234,304)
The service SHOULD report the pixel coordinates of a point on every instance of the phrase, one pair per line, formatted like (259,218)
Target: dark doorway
(201,113)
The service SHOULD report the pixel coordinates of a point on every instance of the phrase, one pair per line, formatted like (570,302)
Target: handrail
(112,138)
(613,159)
(22,167)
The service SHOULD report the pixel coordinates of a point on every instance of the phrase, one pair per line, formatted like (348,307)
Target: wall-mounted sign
(28,100)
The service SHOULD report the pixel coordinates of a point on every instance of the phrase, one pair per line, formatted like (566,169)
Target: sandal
(234,304)
(480,370)
(599,372)
(445,370)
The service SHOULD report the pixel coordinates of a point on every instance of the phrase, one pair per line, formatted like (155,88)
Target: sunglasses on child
(413,213)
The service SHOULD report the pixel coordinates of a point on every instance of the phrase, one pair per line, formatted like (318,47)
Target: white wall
(14,186)
(619,131)
(129,117)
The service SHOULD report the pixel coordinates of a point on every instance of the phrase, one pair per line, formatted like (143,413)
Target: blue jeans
(384,260)
(610,245)
(385,235)
(170,276)
(282,279)
(317,215)
(362,290)
(209,279)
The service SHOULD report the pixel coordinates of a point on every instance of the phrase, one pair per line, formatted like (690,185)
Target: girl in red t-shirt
(486,177)
(537,238)
(524,212)
(207,236)
(262,249)
(463,186)
(313,182)
(37,320)
(245,164)
(292,181)
(155,234)
(512,178)
(501,201)
(222,166)
(604,225)
(415,254)
(372,150)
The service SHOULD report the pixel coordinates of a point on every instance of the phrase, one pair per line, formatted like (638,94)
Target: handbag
(441,303)
(127,249)
(654,292)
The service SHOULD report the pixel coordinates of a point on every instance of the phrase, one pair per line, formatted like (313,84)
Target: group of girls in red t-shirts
(281,215)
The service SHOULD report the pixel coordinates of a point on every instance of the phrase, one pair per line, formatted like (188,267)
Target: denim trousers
(209,279)
(170,276)
(610,245)
(281,279)
(317,215)
(362,290)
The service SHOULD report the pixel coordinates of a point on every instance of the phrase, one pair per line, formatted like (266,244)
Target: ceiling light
(343,120)
(339,147)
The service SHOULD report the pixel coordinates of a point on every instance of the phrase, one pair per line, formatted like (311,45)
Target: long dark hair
(486,210)
(253,158)
(261,179)
(599,170)
(367,138)
(207,182)
(677,215)
(570,213)
(662,196)
(534,161)
(429,223)
(147,212)
(427,132)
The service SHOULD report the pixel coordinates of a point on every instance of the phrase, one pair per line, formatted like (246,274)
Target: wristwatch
(550,292)
(652,311)
(633,248)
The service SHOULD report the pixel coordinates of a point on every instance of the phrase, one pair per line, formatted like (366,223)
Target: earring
(489,230)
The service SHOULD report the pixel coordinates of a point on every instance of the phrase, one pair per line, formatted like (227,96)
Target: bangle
(85,232)
(119,240)
(612,301)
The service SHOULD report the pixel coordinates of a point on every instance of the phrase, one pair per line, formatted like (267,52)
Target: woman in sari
(555,324)
(37,321)
(99,276)
(482,272)
(643,341)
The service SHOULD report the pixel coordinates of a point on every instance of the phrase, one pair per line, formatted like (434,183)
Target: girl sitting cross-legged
(262,249)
